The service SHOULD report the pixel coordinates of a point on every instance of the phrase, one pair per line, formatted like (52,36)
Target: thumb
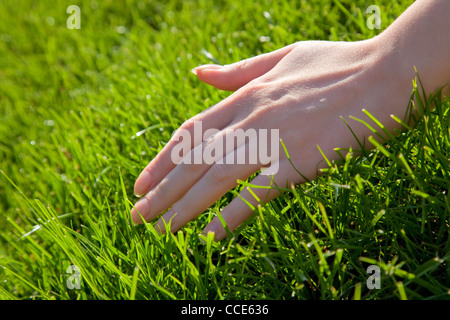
(232,77)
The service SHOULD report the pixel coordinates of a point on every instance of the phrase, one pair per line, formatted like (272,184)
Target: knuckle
(242,65)
(255,89)
(185,130)
(188,124)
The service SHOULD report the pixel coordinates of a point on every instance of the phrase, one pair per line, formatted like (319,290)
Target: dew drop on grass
(35,228)
(121,29)
(65,178)
(50,21)
(268,16)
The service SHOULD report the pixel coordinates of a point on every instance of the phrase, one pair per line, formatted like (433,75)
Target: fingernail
(143,183)
(206,67)
(140,207)
(194,71)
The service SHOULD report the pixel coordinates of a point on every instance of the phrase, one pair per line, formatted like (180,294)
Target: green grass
(83,111)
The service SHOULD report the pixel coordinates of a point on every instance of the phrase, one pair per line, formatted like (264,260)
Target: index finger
(195,127)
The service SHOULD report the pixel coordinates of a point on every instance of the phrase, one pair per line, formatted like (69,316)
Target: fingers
(241,207)
(196,162)
(196,127)
(174,185)
(190,188)
(218,180)
(236,75)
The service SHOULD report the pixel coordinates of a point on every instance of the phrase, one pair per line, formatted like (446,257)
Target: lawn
(82,112)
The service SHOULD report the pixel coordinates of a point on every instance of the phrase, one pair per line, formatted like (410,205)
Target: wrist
(390,75)
(418,40)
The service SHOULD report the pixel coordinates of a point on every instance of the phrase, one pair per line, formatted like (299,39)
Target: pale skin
(303,90)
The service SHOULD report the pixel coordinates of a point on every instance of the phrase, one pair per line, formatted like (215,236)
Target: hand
(302,91)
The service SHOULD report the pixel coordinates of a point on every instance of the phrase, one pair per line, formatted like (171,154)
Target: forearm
(420,38)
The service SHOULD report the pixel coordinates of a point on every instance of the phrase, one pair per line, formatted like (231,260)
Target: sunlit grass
(83,111)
